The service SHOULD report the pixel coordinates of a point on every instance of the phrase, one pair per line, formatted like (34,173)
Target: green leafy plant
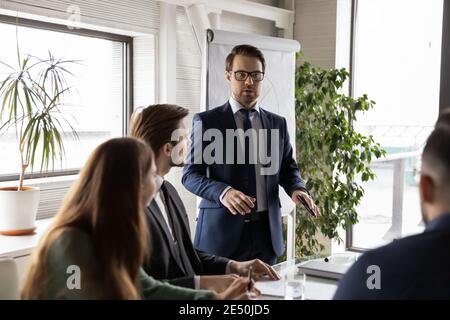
(31,97)
(333,157)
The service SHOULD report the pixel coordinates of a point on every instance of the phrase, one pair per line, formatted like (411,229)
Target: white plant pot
(18,210)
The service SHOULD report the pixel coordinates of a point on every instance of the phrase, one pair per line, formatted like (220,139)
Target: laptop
(325,268)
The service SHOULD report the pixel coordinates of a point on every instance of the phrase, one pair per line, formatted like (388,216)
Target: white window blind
(144,72)
(130,15)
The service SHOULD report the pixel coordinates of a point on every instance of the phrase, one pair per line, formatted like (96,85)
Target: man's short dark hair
(244,50)
(156,123)
(436,153)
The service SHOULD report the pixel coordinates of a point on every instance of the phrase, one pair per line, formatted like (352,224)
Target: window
(100,101)
(396,61)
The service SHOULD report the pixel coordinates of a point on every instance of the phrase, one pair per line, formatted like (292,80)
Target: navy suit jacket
(218,230)
(415,267)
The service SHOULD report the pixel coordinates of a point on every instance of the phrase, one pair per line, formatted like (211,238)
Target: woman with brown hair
(98,241)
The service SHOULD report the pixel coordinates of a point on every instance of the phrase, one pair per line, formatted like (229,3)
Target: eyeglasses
(243,75)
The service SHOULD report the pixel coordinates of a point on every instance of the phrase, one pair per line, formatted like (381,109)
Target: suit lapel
(267,124)
(157,214)
(184,225)
(179,227)
(228,116)
(179,212)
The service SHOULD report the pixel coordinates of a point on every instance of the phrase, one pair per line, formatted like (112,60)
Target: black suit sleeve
(155,269)
(186,282)
(212,265)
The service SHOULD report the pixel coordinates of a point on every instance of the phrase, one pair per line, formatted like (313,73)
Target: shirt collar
(439,223)
(158,181)
(236,106)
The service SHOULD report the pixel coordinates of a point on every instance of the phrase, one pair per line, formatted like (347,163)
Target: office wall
(188,76)
(315,29)
(245,24)
(240,23)
(189,73)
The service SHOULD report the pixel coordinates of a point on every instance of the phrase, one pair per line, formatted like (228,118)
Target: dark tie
(249,167)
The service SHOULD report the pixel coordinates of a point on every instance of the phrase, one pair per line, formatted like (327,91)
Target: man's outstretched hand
(260,269)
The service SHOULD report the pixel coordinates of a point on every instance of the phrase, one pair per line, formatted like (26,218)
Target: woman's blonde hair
(105,203)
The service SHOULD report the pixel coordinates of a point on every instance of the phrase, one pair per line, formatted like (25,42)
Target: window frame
(127,70)
(444,99)
(354,11)
(444,83)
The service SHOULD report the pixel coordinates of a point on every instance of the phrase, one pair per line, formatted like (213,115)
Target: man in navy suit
(239,215)
(416,267)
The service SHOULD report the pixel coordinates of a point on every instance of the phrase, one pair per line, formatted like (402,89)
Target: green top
(71,256)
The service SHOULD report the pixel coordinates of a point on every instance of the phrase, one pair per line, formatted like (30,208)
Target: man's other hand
(308,200)
(237,202)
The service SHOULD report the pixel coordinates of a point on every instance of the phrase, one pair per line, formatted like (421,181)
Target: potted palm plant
(31,99)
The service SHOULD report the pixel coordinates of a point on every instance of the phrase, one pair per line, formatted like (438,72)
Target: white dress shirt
(161,205)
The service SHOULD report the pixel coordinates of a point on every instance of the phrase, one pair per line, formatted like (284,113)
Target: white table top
(316,288)
(17,246)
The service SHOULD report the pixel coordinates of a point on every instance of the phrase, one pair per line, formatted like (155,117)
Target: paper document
(271,287)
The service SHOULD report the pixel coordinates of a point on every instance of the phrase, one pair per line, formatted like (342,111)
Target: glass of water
(294,286)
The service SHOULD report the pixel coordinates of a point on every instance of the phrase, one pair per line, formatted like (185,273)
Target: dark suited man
(173,256)
(240,214)
(415,267)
